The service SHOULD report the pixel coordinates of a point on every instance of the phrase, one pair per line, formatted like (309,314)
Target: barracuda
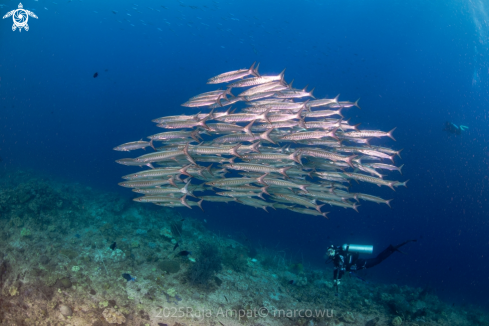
(370,134)
(273,157)
(237,194)
(257,168)
(308,211)
(300,201)
(375,199)
(220,102)
(132,146)
(234,138)
(233,75)
(213,95)
(310,135)
(258,80)
(328,155)
(262,88)
(245,117)
(341,204)
(292,93)
(386,167)
(283,129)
(144,183)
(156,173)
(376,181)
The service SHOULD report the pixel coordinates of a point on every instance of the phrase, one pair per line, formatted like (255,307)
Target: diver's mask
(331,252)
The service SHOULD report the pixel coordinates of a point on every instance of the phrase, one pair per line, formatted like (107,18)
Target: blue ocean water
(414,65)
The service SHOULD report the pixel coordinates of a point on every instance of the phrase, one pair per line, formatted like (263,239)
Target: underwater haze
(89,75)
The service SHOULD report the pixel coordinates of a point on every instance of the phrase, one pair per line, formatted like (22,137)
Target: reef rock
(65,310)
(112,316)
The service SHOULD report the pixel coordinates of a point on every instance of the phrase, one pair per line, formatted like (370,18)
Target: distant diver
(345,258)
(95,75)
(454,129)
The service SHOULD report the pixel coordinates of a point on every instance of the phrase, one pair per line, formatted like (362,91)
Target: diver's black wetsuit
(452,128)
(345,261)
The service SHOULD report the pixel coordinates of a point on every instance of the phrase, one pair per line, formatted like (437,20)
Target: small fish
(176,246)
(184,253)
(291,282)
(95,75)
(114,12)
(128,277)
(226,299)
(112,246)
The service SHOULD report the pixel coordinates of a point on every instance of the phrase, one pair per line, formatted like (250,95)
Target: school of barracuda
(284,150)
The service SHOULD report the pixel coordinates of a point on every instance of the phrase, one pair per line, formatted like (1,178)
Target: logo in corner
(20,17)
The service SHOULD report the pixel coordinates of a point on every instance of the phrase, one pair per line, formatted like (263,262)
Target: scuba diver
(454,129)
(345,258)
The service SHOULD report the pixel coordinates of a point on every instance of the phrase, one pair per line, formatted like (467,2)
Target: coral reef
(65,273)
(113,316)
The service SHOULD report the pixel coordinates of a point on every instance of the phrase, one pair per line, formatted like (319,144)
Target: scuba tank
(361,249)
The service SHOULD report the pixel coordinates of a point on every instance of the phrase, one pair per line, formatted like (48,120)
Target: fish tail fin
(151,144)
(356,104)
(234,151)
(194,135)
(355,207)
(266,136)
(405,183)
(187,155)
(265,115)
(299,114)
(183,200)
(391,185)
(184,170)
(336,99)
(199,203)
(281,75)
(254,147)
(332,133)
(325,215)
(264,190)
(208,169)
(302,123)
(398,153)
(318,208)
(247,129)
(171,180)
(283,171)
(388,202)
(310,93)
(355,126)
(392,158)
(255,71)
(400,168)
(296,157)
(251,70)
(389,134)
(341,115)
(289,85)
(349,159)
(261,180)
(228,91)
(304,187)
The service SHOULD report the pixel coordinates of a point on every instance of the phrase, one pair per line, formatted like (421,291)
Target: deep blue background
(414,65)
